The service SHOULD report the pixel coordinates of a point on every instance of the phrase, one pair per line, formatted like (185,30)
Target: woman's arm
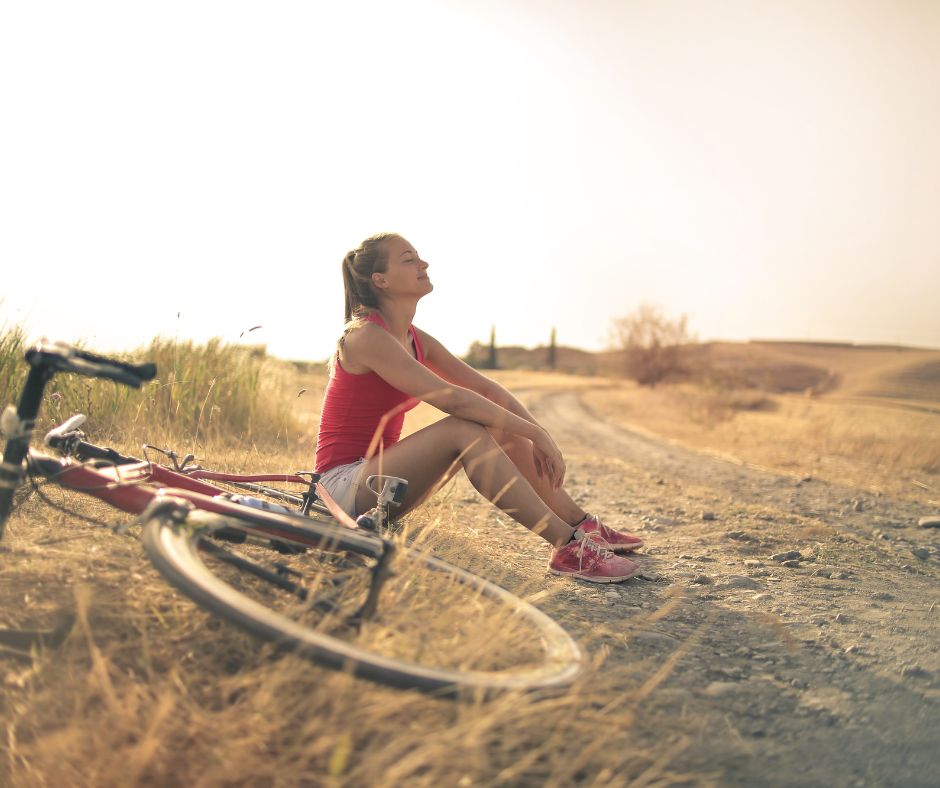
(458,372)
(374,348)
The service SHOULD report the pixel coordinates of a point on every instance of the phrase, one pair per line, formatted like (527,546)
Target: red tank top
(353,407)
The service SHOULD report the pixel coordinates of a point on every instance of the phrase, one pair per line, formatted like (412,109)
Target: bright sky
(193,169)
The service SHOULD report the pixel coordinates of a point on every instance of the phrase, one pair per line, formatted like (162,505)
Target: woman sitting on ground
(384,365)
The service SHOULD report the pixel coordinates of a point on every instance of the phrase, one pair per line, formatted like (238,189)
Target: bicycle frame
(134,487)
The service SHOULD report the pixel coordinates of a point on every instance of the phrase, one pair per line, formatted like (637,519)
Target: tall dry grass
(204,394)
(148,689)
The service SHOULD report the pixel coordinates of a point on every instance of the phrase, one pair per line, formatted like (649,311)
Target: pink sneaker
(616,541)
(588,559)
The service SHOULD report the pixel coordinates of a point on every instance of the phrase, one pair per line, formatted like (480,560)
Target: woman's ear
(379,280)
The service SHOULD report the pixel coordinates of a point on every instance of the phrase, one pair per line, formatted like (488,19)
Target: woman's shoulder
(360,339)
(361,331)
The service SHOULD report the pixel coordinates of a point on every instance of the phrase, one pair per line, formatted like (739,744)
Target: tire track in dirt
(823,672)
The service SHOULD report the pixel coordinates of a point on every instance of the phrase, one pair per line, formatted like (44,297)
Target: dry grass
(869,444)
(203,395)
(150,690)
(147,689)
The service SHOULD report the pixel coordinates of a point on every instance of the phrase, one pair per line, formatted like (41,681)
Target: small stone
(839,575)
(841,618)
(858,505)
(752,564)
(920,552)
(761,597)
(660,481)
(789,555)
(882,596)
(719,688)
(915,671)
(806,478)
(791,564)
(702,580)
(708,515)
(742,581)
(933,521)
(658,640)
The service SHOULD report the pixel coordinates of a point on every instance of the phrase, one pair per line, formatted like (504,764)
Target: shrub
(651,344)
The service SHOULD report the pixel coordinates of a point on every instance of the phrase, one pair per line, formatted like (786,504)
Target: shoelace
(586,543)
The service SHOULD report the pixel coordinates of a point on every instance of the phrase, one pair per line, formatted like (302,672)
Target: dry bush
(651,344)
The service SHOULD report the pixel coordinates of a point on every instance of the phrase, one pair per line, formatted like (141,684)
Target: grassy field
(148,689)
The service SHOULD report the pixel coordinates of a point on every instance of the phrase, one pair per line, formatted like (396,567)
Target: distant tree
(491,363)
(651,343)
(552,351)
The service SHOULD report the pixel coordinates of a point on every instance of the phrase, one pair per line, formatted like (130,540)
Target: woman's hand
(548,460)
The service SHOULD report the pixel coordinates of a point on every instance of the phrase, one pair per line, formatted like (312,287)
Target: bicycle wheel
(391,614)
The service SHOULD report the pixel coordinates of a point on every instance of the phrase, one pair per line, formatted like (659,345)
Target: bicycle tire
(174,548)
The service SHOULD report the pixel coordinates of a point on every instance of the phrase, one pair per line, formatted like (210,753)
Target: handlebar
(45,359)
(59,357)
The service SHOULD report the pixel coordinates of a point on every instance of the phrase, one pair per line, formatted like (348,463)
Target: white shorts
(342,482)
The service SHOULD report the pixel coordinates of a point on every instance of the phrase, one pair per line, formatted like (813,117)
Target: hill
(884,371)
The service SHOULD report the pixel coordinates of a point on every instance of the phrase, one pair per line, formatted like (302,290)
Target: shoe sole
(588,579)
(624,548)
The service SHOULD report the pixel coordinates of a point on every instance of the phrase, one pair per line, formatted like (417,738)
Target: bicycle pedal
(366,522)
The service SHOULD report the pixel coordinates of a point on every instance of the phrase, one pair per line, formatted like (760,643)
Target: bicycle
(322,591)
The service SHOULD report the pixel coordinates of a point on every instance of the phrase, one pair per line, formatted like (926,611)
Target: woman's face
(406,273)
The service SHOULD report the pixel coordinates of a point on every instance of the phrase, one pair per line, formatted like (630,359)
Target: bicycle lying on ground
(297,572)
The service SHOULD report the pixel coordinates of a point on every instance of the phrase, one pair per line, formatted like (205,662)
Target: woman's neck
(398,317)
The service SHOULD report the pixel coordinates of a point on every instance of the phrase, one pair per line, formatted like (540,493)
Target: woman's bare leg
(430,456)
(519,450)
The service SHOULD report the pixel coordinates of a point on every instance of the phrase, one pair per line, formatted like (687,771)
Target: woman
(384,365)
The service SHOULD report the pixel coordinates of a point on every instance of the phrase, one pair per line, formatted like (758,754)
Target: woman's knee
(465,432)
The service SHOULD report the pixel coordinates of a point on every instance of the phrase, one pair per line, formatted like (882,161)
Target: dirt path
(820,667)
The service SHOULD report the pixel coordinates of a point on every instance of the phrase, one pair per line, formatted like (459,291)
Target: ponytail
(350,286)
(358,266)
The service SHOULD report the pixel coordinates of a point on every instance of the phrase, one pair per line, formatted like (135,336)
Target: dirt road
(799,644)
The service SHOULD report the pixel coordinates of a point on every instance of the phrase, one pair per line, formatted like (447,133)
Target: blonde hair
(371,256)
